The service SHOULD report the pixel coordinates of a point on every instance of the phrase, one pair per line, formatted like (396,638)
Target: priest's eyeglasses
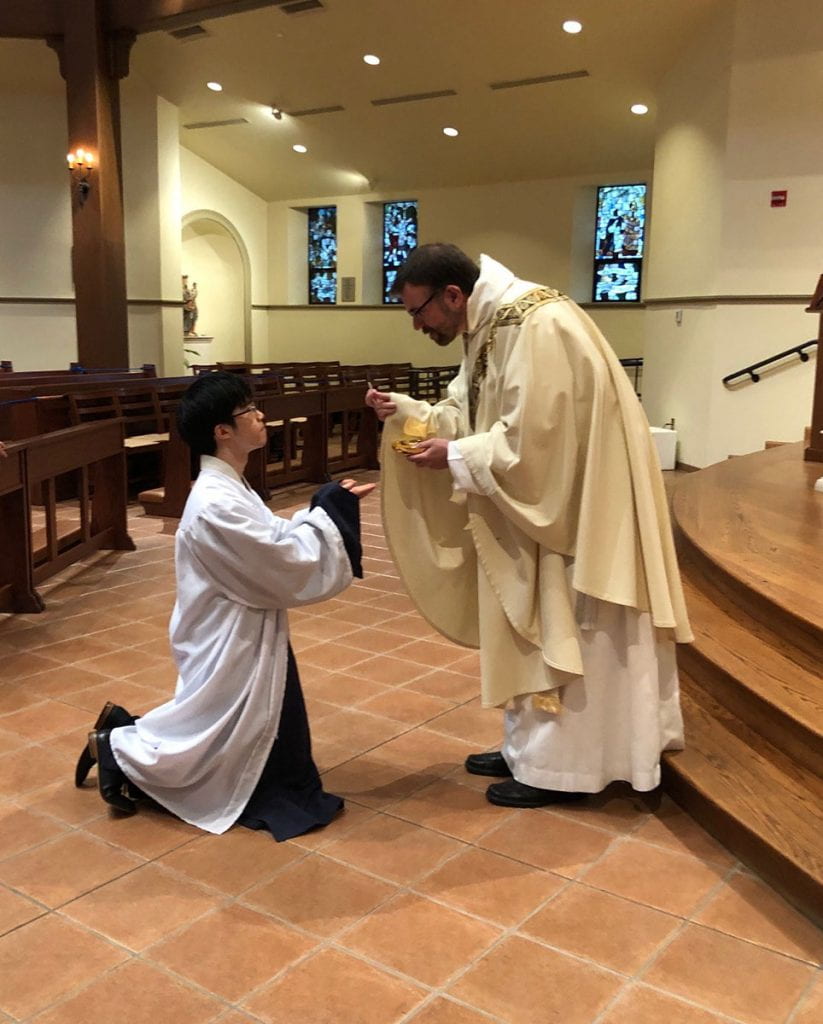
(251,407)
(413,313)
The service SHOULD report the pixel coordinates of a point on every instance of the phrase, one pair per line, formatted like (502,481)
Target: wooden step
(807,439)
(753,526)
(766,681)
(748,536)
(764,807)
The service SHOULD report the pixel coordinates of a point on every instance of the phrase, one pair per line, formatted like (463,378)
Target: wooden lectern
(814,453)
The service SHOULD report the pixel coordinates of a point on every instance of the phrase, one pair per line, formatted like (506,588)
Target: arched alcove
(216,259)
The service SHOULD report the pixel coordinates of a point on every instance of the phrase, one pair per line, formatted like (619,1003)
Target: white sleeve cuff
(461,474)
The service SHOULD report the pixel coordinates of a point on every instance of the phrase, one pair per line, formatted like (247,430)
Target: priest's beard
(447,332)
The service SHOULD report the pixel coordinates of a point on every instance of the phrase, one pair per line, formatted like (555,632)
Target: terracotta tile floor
(421,902)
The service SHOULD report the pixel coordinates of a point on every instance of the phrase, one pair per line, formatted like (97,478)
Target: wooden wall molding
(728,300)
(52,300)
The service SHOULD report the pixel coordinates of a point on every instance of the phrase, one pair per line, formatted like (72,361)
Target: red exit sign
(780,197)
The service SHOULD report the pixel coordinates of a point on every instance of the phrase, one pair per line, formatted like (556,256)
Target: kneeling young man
(233,744)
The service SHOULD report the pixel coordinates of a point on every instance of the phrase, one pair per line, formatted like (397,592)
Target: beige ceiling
(314,59)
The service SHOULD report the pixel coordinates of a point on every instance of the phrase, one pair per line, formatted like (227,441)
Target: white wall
(35,214)
(212,261)
(141,147)
(203,188)
(689,167)
(530,225)
(683,378)
(353,335)
(734,123)
(151,190)
(534,227)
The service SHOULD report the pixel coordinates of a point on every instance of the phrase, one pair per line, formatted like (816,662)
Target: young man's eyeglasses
(416,312)
(251,407)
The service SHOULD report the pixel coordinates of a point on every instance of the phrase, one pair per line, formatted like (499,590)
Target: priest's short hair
(437,264)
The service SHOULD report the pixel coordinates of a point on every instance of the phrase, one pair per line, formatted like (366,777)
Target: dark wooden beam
(30,19)
(89,60)
(39,19)
(154,15)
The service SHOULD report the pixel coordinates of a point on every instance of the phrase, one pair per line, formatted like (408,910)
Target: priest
(233,744)
(527,515)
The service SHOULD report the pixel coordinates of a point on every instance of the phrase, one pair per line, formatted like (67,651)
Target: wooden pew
(140,410)
(145,403)
(429,383)
(17,593)
(53,407)
(385,376)
(147,371)
(19,418)
(94,454)
(273,366)
(180,467)
(358,430)
(282,462)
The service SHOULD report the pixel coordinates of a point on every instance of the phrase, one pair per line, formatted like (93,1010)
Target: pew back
(36,544)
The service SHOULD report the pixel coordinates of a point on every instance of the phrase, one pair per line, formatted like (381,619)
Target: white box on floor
(666,443)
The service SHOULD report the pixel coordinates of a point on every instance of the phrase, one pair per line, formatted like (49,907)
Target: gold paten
(414,431)
(548,702)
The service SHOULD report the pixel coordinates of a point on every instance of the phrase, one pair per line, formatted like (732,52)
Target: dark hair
(207,402)
(437,265)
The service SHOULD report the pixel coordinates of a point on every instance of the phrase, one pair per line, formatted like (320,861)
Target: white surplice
(239,567)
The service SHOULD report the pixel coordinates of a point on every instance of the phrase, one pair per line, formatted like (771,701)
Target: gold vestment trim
(510,315)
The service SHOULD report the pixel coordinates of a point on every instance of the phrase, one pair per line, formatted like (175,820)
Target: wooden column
(92,63)
(814,453)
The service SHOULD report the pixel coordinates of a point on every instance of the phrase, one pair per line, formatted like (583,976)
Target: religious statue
(189,308)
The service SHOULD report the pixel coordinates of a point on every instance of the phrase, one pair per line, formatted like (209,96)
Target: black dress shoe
(518,794)
(488,764)
(110,779)
(111,717)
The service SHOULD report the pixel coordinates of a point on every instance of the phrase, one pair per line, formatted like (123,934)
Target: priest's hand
(381,402)
(431,454)
(358,490)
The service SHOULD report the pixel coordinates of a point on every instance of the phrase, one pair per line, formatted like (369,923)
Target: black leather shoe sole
(518,794)
(111,717)
(493,764)
(110,781)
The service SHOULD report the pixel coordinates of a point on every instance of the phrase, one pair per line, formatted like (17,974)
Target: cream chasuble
(572,503)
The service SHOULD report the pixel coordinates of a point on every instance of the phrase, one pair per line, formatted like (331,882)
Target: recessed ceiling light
(214,86)
(299,149)
(639,108)
(451,132)
(572,27)
(370,58)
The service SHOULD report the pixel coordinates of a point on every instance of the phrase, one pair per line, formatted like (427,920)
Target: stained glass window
(619,244)
(322,255)
(399,238)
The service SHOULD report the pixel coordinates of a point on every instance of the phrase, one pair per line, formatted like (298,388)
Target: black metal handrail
(749,371)
(634,363)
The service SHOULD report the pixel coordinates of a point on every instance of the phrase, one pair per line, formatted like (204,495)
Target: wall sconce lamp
(277,113)
(81,164)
